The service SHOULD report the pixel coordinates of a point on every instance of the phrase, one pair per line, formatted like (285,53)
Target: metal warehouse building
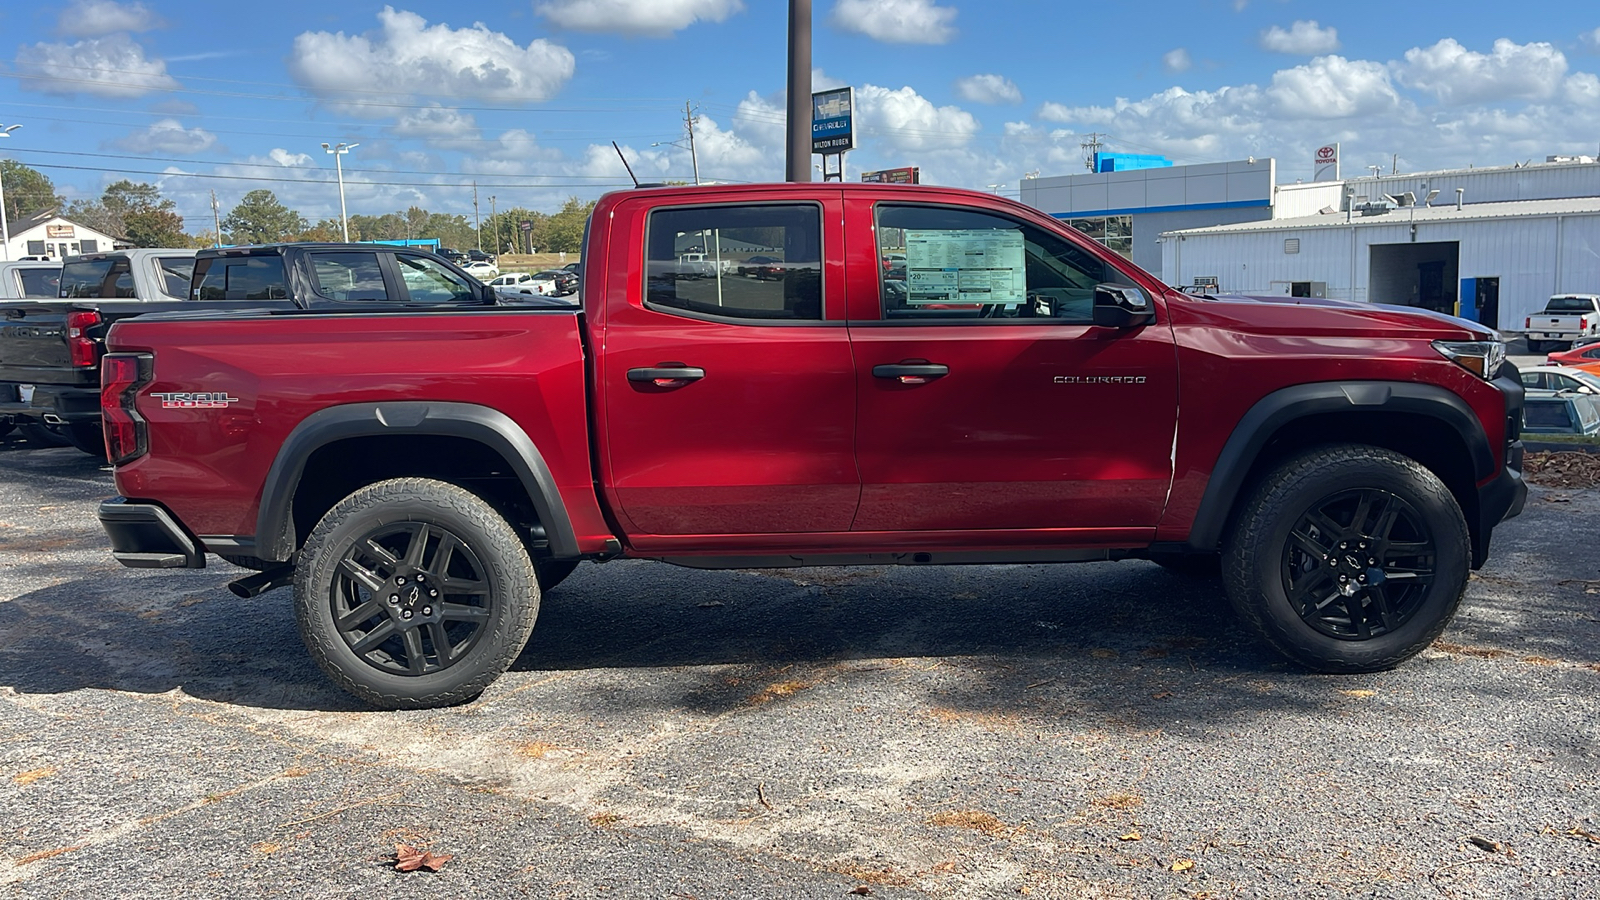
(1492,243)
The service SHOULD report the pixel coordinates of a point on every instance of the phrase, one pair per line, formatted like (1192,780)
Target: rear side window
(428,282)
(349,275)
(175,273)
(1547,414)
(242,278)
(745,262)
(105,279)
(41,283)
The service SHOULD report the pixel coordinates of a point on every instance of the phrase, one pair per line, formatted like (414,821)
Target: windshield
(1569,305)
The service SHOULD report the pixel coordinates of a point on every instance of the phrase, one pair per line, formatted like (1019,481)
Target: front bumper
(146,536)
(1503,496)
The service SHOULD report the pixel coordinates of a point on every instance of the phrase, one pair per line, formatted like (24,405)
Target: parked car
(566,282)
(481,270)
(455,256)
(1565,317)
(29,280)
(476,255)
(1585,356)
(762,267)
(1563,412)
(524,283)
(1561,378)
(422,476)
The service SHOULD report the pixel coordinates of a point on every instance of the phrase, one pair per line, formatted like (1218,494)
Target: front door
(988,400)
(729,398)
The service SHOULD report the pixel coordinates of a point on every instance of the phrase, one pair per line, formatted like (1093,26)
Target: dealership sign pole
(833,130)
(797,162)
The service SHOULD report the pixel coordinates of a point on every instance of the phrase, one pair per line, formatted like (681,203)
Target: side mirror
(1121,306)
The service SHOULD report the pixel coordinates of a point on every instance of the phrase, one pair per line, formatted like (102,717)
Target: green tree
(133,210)
(564,230)
(27,190)
(261,219)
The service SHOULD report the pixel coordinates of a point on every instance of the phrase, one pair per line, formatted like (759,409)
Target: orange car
(1583,356)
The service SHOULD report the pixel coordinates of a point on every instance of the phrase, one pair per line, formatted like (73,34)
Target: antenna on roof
(625,163)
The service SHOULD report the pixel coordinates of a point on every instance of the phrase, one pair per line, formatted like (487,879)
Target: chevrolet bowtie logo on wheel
(196,400)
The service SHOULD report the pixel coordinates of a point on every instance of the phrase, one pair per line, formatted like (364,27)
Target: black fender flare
(274,524)
(1272,412)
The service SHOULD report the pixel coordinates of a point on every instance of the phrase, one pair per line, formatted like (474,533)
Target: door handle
(666,376)
(911,373)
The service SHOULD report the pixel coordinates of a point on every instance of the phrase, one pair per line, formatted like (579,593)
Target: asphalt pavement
(1098,730)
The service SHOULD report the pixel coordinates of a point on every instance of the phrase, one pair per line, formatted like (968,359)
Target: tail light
(79,344)
(1527,323)
(121,377)
(1583,324)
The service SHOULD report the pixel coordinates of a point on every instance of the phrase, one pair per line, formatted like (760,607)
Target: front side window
(943,264)
(243,278)
(104,279)
(428,282)
(349,275)
(746,262)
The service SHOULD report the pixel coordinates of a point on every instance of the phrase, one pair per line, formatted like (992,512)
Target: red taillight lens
(1527,323)
(79,344)
(1583,323)
(121,377)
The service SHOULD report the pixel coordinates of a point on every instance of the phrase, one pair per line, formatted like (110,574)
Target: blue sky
(527,96)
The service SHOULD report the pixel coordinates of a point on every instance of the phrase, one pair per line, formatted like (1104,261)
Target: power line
(328,181)
(272,166)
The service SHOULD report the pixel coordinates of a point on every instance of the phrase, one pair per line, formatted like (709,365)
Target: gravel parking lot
(1072,731)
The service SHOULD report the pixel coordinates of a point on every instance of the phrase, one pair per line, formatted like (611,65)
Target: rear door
(988,399)
(727,402)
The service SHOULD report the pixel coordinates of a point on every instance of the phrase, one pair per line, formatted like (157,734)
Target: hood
(1372,314)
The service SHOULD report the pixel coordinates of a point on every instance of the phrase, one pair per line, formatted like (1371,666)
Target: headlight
(1481,358)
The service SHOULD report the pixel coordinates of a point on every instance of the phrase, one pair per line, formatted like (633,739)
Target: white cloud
(896,21)
(906,120)
(1582,89)
(1303,38)
(112,66)
(1592,38)
(406,56)
(1332,87)
(1176,60)
(1455,74)
(988,89)
(435,122)
(651,18)
(95,18)
(167,136)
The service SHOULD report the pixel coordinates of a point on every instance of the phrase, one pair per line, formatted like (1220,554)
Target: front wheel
(413,593)
(1348,559)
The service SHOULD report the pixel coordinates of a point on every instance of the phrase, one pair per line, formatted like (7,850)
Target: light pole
(339,150)
(5,229)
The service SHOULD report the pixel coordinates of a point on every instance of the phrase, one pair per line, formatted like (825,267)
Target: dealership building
(1492,244)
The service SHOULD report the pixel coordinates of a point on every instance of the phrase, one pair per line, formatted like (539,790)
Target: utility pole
(1092,145)
(216,218)
(476,224)
(495,224)
(694,160)
(5,229)
(797,161)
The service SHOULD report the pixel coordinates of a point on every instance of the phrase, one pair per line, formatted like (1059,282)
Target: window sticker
(960,266)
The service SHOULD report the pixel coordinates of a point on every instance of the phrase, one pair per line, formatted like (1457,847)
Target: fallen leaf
(1359,693)
(861,889)
(1485,844)
(32,775)
(409,859)
(1131,836)
(1161,696)
(266,848)
(1589,835)
(1181,865)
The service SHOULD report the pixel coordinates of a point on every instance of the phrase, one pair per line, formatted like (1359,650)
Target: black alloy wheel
(410,598)
(1358,564)
(1347,558)
(414,593)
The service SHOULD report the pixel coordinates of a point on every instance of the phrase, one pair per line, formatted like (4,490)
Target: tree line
(139,213)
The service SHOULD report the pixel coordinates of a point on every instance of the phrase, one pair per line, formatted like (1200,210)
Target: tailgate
(33,342)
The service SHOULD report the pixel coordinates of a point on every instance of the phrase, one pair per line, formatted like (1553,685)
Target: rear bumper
(146,536)
(55,404)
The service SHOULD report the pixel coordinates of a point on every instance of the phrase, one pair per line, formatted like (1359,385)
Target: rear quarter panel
(209,465)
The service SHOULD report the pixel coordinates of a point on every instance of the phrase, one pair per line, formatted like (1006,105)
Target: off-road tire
(1256,568)
(554,571)
(507,572)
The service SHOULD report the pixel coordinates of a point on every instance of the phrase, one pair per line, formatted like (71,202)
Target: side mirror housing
(1121,306)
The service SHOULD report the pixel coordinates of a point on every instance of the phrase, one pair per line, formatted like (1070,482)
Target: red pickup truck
(1014,392)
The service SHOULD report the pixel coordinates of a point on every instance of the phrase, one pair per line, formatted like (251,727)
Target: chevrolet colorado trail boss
(1014,393)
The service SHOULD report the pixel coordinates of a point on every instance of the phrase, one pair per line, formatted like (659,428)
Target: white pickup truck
(1564,319)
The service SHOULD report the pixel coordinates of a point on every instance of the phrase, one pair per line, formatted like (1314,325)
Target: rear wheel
(1348,559)
(413,593)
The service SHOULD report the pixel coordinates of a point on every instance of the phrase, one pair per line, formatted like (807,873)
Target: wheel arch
(489,433)
(1425,422)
